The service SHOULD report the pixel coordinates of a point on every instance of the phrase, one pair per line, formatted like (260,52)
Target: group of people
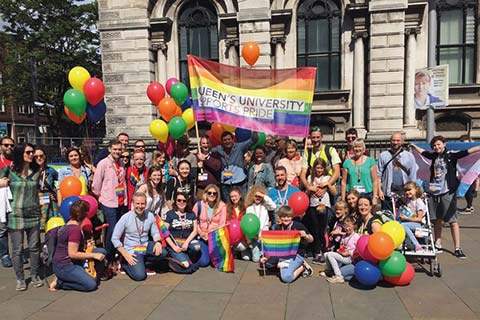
(160,206)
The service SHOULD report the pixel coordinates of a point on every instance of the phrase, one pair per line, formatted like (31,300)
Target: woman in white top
(154,190)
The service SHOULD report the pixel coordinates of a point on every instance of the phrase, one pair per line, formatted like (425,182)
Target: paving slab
(126,311)
(21,309)
(183,305)
(65,314)
(309,298)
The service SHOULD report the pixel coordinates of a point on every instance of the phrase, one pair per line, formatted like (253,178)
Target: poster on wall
(431,87)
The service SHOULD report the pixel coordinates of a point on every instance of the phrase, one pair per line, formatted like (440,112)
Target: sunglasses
(139,146)
(210,193)
(6,145)
(125,157)
(182,200)
(351,137)
(29,153)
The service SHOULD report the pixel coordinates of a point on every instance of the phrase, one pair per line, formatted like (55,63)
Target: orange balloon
(217,130)
(250,52)
(70,186)
(380,245)
(167,108)
(178,112)
(74,117)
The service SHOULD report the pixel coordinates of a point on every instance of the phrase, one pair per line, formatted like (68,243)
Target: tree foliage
(59,34)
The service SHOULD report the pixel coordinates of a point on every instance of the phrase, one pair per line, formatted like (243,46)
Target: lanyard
(140,228)
(282,200)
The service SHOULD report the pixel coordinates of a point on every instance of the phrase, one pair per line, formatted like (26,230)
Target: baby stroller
(424,235)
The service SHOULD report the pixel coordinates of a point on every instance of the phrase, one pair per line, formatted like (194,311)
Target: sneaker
(319,259)
(308,270)
(6,261)
(323,274)
(246,257)
(336,279)
(37,282)
(467,210)
(21,285)
(150,272)
(121,271)
(439,247)
(459,254)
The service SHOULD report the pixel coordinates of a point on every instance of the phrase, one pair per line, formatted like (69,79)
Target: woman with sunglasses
(125,157)
(182,182)
(25,216)
(153,188)
(212,214)
(75,169)
(48,192)
(182,224)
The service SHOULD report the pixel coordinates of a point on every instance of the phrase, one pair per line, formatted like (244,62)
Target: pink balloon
(362,249)
(236,234)
(87,225)
(169,84)
(93,205)
(94,91)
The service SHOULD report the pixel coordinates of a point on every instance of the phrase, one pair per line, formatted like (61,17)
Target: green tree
(58,34)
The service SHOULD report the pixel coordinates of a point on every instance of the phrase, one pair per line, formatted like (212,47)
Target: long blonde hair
(217,201)
(250,198)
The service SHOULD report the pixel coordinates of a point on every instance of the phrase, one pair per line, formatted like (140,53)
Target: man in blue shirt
(283,191)
(233,172)
(137,249)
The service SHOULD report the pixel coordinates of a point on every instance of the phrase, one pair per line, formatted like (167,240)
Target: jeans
(33,239)
(348,271)
(74,276)
(3,239)
(204,260)
(335,260)
(286,274)
(409,228)
(138,272)
(111,217)
(192,254)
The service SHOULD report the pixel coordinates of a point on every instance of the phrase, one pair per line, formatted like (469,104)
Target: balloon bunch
(175,120)
(86,97)
(380,259)
(74,189)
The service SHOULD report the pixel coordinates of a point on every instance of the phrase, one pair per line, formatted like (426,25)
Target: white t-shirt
(314,200)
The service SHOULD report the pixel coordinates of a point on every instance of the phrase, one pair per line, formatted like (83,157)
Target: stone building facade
(366,52)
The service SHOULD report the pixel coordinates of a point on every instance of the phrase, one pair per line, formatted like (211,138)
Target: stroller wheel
(437,269)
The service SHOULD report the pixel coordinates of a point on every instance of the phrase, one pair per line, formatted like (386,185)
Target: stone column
(161,74)
(358,82)
(279,44)
(409,108)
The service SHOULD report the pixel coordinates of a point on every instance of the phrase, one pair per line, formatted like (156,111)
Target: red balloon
(87,225)
(236,233)
(217,130)
(155,92)
(405,278)
(93,205)
(299,203)
(74,117)
(250,52)
(167,108)
(94,91)
(169,84)
(362,249)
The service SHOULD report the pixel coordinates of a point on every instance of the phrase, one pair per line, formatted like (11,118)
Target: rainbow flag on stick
(219,249)
(279,101)
(280,243)
(162,228)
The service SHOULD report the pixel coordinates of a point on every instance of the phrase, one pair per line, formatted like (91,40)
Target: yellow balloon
(159,130)
(84,186)
(53,223)
(77,77)
(189,118)
(229,128)
(394,230)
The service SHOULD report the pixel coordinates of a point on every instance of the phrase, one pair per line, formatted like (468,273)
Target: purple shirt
(66,234)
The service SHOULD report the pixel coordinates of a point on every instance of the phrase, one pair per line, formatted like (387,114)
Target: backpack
(48,249)
(385,216)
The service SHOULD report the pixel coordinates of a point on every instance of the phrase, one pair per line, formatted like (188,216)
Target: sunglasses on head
(315,129)
(212,193)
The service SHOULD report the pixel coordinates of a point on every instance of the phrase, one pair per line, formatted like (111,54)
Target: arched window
(452,123)
(197,34)
(318,41)
(456,41)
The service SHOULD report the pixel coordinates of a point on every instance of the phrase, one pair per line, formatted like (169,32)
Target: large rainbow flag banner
(219,249)
(277,101)
(278,243)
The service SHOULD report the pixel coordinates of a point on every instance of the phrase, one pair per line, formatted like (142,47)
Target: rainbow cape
(162,228)
(219,249)
(279,101)
(280,243)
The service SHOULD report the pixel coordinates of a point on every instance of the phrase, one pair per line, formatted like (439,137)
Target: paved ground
(209,294)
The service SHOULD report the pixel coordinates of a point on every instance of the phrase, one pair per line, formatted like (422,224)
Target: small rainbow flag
(180,241)
(134,178)
(140,250)
(219,249)
(280,243)
(162,228)
(279,101)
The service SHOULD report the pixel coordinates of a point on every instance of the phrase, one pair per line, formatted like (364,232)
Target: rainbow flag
(162,228)
(134,178)
(140,250)
(279,101)
(280,243)
(219,249)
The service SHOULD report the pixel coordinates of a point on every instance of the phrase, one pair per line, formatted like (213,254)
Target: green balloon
(262,137)
(250,225)
(177,127)
(75,101)
(394,265)
(179,93)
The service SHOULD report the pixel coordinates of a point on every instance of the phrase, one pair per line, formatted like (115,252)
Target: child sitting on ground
(344,254)
(293,266)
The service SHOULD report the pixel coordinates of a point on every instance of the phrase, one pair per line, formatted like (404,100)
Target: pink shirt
(105,181)
(208,224)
